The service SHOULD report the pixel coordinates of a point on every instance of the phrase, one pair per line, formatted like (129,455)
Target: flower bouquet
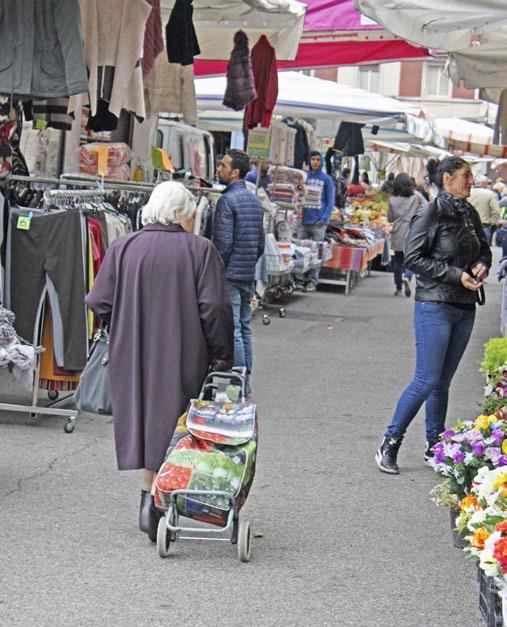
(466,448)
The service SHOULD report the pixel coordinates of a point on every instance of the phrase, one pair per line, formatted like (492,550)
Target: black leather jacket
(441,245)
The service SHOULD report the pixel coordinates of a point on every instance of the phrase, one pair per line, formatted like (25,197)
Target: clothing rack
(53,409)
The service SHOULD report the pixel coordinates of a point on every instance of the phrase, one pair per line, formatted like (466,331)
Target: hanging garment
(301,146)
(170,88)
(114,37)
(349,139)
(51,111)
(181,40)
(153,38)
(42,49)
(260,110)
(11,158)
(240,88)
(51,248)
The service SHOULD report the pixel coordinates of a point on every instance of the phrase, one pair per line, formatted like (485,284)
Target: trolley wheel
(290,288)
(53,395)
(266,320)
(244,548)
(69,425)
(277,294)
(163,538)
(282,313)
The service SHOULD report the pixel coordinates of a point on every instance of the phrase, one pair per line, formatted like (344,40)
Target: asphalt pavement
(340,544)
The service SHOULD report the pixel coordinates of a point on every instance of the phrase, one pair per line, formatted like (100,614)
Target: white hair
(169,203)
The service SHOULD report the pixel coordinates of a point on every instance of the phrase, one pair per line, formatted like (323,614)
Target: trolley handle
(236,374)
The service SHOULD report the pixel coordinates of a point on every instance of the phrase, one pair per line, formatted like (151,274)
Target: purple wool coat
(165,294)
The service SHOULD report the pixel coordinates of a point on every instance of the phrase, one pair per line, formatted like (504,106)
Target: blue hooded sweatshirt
(311,215)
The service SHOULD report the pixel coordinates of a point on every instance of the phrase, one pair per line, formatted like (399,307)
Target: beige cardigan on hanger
(114,35)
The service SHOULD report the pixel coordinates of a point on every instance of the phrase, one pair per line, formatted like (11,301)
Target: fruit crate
(490,602)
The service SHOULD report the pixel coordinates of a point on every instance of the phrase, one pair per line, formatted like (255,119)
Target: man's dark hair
(346,172)
(315,153)
(403,185)
(240,161)
(390,176)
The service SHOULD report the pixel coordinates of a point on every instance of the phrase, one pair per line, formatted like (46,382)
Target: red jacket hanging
(260,110)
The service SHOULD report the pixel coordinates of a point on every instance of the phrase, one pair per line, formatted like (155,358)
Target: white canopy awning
(304,96)
(216,22)
(474,32)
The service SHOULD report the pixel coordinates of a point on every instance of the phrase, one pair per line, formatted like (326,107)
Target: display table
(348,262)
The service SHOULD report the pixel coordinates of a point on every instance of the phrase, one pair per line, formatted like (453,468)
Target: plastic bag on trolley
(213,447)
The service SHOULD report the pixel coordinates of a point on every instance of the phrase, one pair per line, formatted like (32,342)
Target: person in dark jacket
(448,251)
(238,234)
(164,293)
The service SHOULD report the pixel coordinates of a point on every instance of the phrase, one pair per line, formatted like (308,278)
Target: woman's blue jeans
(441,336)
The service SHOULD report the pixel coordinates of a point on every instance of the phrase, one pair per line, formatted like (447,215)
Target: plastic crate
(490,602)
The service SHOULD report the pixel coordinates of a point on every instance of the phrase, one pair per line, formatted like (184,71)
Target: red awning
(335,34)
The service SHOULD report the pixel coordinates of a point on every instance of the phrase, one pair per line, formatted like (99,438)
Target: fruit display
(370,211)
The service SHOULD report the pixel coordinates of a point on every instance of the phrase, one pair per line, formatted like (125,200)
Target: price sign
(24,222)
(161,160)
(102,157)
(258,143)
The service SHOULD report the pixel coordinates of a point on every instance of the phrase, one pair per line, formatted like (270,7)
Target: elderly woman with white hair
(163,293)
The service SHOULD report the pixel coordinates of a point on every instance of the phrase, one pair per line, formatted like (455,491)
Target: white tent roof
(474,31)
(304,96)
(469,137)
(216,22)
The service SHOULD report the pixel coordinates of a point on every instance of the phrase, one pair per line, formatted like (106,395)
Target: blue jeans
(316,234)
(241,293)
(399,270)
(441,336)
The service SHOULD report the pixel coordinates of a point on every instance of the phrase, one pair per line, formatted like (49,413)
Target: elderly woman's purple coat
(165,293)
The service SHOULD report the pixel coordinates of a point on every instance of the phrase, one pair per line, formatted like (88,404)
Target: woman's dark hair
(365,178)
(437,169)
(403,185)
(240,161)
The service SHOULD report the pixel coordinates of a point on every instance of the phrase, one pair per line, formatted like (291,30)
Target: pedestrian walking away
(164,294)
(238,234)
(315,219)
(448,251)
(403,203)
(485,200)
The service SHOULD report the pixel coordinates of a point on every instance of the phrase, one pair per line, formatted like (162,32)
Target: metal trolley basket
(236,529)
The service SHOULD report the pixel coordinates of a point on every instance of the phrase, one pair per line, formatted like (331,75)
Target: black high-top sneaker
(429,454)
(387,454)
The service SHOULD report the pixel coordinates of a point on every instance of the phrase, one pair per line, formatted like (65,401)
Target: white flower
(476,519)
(469,457)
(488,389)
(488,563)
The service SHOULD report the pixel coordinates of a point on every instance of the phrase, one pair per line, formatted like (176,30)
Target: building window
(437,83)
(369,77)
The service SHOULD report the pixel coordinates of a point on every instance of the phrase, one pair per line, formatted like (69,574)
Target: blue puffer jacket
(238,231)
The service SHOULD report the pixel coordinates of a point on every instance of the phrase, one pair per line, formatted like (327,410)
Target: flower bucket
(458,540)
(490,602)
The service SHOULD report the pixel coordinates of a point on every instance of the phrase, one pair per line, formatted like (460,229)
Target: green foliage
(495,354)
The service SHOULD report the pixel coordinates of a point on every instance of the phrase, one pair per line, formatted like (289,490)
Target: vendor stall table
(348,263)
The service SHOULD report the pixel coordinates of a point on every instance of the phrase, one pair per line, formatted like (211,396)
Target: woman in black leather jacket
(448,251)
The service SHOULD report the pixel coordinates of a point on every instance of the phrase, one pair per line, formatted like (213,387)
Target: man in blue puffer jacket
(238,234)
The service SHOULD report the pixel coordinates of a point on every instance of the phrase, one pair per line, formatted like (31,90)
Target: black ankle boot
(387,454)
(149,515)
(145,511)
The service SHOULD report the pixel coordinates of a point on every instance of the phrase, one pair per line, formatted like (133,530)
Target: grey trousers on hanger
(51,248)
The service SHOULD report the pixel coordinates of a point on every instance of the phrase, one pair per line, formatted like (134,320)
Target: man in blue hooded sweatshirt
(315,219)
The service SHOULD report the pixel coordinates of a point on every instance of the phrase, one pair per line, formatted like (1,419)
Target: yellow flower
(499,481)
(483,422)
(468,503)
(504,447)
(479,537)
